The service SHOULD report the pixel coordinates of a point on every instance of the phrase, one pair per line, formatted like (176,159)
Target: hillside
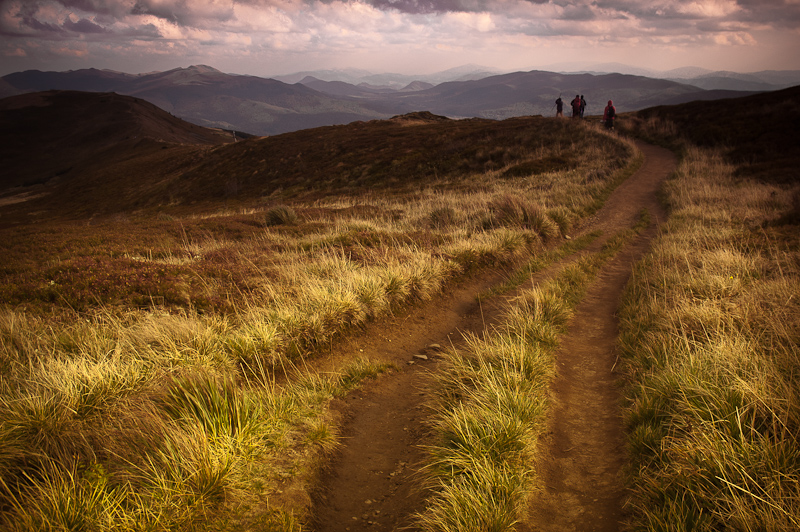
(757,132)
(59,142)
(403,324)
(521,93)
(103,160)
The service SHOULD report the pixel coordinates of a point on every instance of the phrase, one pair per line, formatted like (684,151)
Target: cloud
(196,13)
(263,30)
(578,13)
(84,26)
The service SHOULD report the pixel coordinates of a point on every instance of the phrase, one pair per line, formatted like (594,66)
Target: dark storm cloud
(578,13)
(27,16)
(186,12)
(423,7)
(84,26)
(115,8)
(778,13)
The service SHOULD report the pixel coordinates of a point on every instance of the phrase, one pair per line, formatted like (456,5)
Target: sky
(274,37)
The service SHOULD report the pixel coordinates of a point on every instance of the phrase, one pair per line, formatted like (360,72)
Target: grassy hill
(709,325)
(105,157)
(150,302)
(125,302)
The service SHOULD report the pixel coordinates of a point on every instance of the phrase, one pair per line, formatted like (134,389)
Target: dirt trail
(372,483)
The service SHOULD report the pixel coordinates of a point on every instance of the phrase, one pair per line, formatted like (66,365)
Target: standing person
(609,115)
(559,107)
(583,105)
(576,106)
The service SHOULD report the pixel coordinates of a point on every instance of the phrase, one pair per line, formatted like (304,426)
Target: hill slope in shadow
(45,135)
(758,133)
(203,95)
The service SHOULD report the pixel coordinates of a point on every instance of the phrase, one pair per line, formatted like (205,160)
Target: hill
(59,142)
(78,154)
(528,93)
(756,132)
(208,97)
(101,161)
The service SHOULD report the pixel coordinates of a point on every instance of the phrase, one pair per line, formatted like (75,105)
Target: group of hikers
(578,105)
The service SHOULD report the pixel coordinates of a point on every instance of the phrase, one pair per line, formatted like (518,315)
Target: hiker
(583,105)
(609,115)
(576,106)
(559,107)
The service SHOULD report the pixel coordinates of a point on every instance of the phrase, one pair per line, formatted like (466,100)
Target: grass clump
(280,215)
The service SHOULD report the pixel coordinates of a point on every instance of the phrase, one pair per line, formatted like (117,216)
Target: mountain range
(265,106)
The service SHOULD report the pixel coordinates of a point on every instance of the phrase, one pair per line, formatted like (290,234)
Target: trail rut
(372,483)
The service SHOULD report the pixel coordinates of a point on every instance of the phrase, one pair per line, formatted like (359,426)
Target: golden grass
(709,338)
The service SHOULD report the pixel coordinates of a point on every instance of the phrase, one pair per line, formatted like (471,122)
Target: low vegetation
(150,362)
(710,343)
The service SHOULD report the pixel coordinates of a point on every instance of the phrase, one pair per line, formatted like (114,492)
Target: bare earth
(372,482)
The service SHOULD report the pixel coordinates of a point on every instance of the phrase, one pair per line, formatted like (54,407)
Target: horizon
(598,68)
(268,38)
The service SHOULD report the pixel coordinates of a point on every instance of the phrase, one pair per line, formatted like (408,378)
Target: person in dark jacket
(576,106)
(559,107)
(609,115)
(583,105)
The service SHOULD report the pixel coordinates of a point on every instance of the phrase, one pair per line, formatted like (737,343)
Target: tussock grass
(140,366)
(709,343)
(492,403)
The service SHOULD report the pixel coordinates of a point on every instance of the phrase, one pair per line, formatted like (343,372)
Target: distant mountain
(362,90)
(391,80)
(417,86)
(208,97)
(766,80)
(341,88)
(524,93)
(262,106)
(722,82)
(7,89)
(532,93)
(726,80)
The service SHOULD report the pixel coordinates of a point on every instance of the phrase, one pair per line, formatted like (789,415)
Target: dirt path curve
(372,484)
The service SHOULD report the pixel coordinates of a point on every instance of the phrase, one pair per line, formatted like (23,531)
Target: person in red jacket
(609,115)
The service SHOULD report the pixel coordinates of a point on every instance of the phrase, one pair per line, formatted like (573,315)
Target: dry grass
(139,365)
(492,405)
(709,338)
